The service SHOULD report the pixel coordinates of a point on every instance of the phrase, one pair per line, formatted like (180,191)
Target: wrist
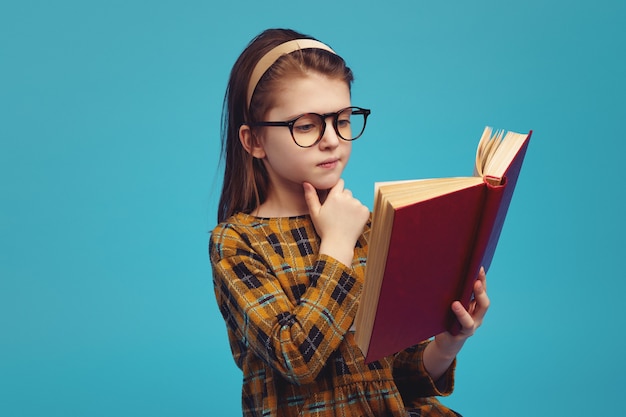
(439,356)
(446,348)
(342,252)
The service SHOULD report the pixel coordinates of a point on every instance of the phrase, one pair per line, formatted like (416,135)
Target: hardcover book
(428,240)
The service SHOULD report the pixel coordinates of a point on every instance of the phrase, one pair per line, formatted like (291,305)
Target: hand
(444,348)
(339,221)
(470,319)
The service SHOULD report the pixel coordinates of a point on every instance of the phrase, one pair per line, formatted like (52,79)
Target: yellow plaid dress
(288,311)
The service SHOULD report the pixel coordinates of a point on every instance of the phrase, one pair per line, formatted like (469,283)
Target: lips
(329,163)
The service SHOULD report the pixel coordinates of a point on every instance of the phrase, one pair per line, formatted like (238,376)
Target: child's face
(322,164)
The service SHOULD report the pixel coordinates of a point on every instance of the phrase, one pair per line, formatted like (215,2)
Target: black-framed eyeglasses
(308,129)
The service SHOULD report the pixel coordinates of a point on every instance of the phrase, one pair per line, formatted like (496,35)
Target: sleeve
(295,340)
(412,378)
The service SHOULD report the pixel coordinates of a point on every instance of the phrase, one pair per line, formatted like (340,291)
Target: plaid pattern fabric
(288,311)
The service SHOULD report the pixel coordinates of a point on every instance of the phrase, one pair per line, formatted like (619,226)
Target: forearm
(287,336)
(414,380)
(438,360)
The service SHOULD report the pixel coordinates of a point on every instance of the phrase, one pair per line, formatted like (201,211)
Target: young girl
(289,251)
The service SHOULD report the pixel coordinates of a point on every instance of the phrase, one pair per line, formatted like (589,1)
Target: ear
(250,142)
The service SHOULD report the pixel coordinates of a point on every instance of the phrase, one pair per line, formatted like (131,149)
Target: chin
(325,184)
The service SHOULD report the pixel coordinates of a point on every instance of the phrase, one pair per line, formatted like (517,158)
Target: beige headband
(280,50)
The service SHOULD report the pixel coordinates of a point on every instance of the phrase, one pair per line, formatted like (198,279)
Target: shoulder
(229,234)
(246,233)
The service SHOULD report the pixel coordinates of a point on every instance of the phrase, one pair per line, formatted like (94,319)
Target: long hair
(245,178)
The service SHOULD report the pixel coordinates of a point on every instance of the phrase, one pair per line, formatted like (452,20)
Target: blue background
(109,141)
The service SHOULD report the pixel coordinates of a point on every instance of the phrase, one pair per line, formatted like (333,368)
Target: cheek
(278,150)
(285,158)
(348,150)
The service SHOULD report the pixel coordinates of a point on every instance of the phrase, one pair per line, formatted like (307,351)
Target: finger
(464,317)
(472,307)
(480,297)
(482,276)
(311,198)
(479,286)
(337,188)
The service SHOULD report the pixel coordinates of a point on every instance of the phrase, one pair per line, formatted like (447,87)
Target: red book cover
(414,305)
(436,249)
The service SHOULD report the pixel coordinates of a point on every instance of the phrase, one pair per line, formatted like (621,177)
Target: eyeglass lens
(309,128)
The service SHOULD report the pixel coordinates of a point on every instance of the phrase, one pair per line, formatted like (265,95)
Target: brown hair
(245,178)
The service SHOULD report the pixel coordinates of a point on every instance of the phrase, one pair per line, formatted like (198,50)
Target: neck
(285,204)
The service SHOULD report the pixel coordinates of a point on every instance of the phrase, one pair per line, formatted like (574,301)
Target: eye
(304,128)
(343,123)
(306,124)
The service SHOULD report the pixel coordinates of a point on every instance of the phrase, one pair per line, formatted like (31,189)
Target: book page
(496,151)
(382,221)
(410,192)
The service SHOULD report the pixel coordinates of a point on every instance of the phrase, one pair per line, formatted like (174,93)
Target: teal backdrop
(109,179)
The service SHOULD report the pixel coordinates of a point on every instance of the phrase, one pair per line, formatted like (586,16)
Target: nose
(330,139)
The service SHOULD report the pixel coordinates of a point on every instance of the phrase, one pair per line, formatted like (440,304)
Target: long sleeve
(412,378)
(291,316)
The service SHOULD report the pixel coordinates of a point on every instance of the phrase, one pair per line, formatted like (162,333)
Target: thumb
(311,198)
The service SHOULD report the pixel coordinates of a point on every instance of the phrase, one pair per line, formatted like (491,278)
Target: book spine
(510,177)
(486,237)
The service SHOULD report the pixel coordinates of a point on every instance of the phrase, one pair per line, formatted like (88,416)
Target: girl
(288,254)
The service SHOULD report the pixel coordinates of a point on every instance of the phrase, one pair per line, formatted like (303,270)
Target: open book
(429,239)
